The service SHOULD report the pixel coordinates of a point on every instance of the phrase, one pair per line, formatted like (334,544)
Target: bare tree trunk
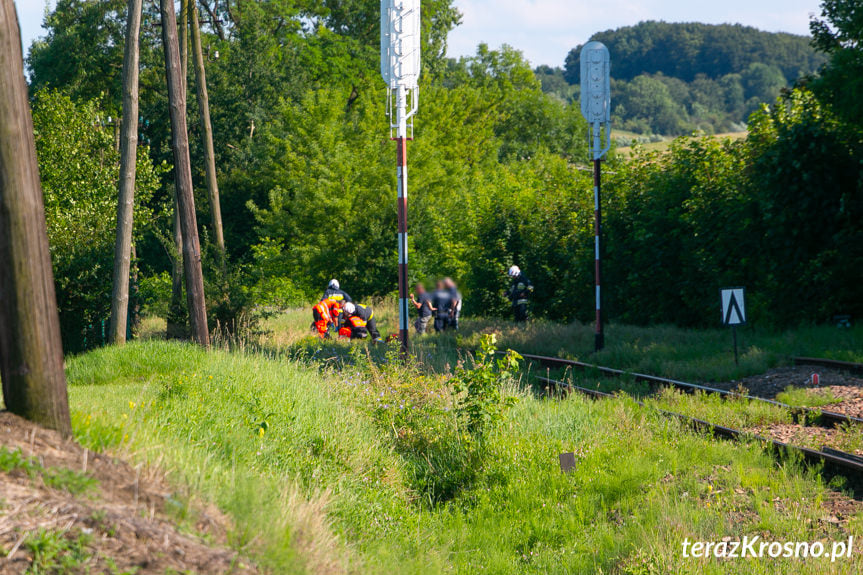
(128,159)
(31,352)
(183,178)
(176,324)
(183,34)
(176,321)
(207,130)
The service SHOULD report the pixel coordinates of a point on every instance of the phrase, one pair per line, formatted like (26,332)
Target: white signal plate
(596,83)
(400,43)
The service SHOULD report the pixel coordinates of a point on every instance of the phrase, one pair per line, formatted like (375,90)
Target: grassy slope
(314,483)
(698,355)
(688,354)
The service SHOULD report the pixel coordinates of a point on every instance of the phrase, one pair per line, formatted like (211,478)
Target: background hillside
(674,78)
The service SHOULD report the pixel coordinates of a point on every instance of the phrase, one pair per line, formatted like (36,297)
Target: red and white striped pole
(599,336)
(596,109)
(402,175)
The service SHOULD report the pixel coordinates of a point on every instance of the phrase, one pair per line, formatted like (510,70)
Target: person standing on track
(334,292)
(423,302)
(519,293)
(359,322)
(455,311)
(442,302)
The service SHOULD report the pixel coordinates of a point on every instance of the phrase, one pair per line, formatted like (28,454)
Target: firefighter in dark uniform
(334,292)
(519,293)
(359,322)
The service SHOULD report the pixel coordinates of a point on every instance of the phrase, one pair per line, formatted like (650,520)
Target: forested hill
(685,50)
(672,78)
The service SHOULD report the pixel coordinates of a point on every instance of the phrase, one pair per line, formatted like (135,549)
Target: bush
(482,403)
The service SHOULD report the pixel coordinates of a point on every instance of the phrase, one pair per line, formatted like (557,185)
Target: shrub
(482,403)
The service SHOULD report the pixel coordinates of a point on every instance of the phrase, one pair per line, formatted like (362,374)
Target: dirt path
(70,510)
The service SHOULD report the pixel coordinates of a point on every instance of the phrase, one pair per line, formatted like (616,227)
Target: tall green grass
(698,355)
(294,452)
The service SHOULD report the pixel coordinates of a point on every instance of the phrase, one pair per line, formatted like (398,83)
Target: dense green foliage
(675,78)
(497,168)
(839,33)
(779,212)
(78,164)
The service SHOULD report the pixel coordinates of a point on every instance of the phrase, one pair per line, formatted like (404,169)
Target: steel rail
(830,456)
(820,415)
(849,366)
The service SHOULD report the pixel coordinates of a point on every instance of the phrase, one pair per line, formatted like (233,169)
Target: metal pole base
(599,341)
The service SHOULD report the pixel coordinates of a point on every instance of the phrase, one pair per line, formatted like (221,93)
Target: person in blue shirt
(442,302)
(423,302)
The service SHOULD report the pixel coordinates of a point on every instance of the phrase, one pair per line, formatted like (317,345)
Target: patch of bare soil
(70,510)
(844,386)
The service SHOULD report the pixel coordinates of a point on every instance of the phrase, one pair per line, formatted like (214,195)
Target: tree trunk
(31,353)
(128,158)
(183,31)
(176,321)
(134,297)
(183,178)
(176,324)
(207,130)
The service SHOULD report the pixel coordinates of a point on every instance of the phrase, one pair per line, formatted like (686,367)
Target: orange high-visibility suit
(325,313)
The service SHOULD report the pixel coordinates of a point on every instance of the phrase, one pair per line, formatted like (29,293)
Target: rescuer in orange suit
(326,313)
(359,323)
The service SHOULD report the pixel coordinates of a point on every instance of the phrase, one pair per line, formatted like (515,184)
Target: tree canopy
(498,166)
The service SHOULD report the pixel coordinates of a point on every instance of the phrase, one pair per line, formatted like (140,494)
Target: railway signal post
(596,109)
(400,68)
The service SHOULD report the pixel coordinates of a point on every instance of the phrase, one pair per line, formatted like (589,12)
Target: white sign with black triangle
(733,306)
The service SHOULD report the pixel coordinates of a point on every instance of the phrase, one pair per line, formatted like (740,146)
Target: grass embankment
(364,469)
(696,355)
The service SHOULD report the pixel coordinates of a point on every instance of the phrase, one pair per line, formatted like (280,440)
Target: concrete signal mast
(596,109)
(400,68)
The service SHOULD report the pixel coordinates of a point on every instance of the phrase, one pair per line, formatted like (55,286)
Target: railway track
(834,458)
(820,416)
(846,366)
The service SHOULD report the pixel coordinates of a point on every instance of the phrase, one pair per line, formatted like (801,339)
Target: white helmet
(350,308)
(514,272)
(334,284)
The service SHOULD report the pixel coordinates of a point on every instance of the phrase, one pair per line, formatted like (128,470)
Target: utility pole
(31,352)
(596,108)
(206,130)
(400,68)
(126,196)
(183,178)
